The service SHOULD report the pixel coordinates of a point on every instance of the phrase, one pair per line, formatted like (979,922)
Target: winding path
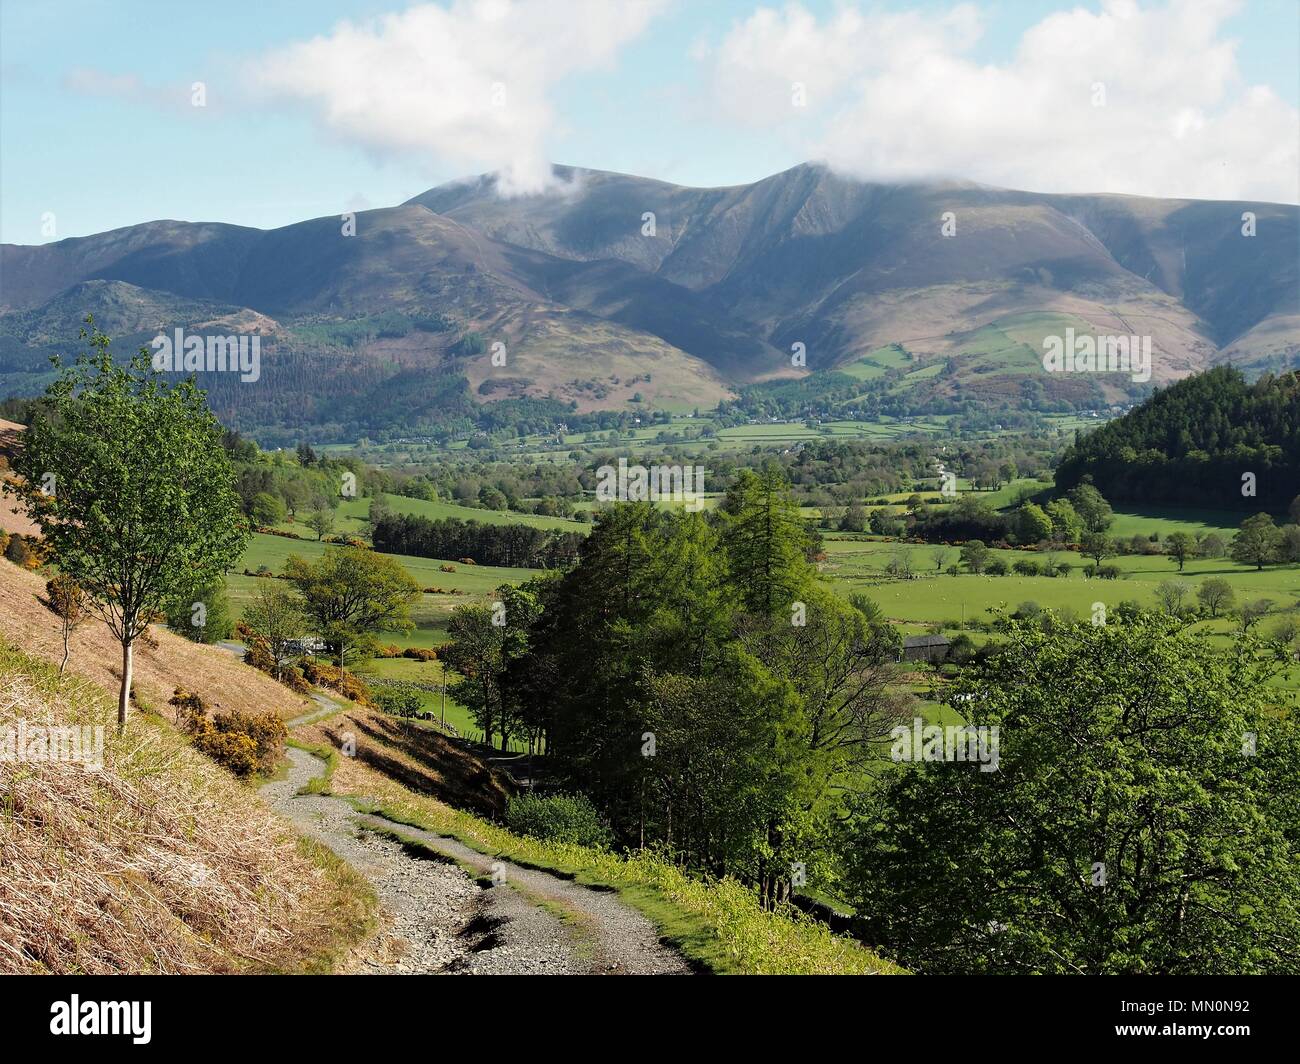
(508,920)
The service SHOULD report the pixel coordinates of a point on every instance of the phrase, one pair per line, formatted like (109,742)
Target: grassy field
(468,583)
(350,517)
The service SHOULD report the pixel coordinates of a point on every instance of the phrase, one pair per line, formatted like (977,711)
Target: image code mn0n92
(646,487)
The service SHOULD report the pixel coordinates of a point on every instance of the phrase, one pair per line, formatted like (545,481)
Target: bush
(242,743)
(1027,567)
(997,567)
(1109,572)
(346,684)
(22,550)
(567,818)
(420,654)
(398,702)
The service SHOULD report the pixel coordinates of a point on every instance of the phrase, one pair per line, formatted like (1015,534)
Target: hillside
(162,664)
(393,330)
(1210,431)
(157,862)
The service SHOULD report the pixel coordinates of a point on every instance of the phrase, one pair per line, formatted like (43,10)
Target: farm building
(931,648)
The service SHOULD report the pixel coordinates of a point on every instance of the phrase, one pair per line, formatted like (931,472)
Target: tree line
(511,545)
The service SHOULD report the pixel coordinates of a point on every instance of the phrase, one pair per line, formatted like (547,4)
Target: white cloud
(468,84)
(893,96)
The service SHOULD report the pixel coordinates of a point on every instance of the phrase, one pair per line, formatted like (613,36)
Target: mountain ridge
(713,289)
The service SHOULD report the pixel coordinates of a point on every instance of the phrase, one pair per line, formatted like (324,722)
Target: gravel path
(615,939)
(511,920)
(327,706)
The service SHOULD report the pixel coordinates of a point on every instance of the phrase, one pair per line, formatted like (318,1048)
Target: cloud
(177,98)
(468,84)
(1125,98)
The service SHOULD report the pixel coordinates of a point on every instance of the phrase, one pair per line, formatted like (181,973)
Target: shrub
(567,818)
(1109,572)
(258,654)
(22,550)
(997,567)
(446,567)
(242,743)
(1027,567)
(323,675)
(398,701)
(420,654)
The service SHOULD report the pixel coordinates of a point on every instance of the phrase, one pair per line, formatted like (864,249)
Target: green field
(469,583)
(350,516)
(859,565)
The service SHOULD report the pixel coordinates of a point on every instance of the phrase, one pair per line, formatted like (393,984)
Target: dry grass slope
(159,861)
(219,678)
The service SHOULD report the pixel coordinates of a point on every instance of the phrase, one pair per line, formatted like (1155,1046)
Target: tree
(1180,546)
(1130,827)
(1066,524)
(854,519)
(1093,510)
(1289,545)
(68,602)
(379,510)
(353,592)
(132,488)
(1212,546)
(941,556)
(201,614)
(765,540)
(1172,595)
(321,520)
(266,509)
(976,555)
(1257,542)
(1251,613)
(1293,511)
(1097,546)
(486,645)
(1216,595)
(277,617)
(1032,524)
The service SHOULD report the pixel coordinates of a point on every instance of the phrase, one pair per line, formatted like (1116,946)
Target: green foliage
(400,702)
(132,487)
(568,818)
(1258,543)
(276,617)
(1032,524)
(266,509)
(202,614)
(1206,430)
(696,680)
(351,592)
(976,555)
(1142,817)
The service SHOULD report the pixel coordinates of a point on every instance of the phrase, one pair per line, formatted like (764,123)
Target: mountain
(620,293)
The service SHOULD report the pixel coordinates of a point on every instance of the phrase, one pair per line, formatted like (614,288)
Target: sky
(270,112)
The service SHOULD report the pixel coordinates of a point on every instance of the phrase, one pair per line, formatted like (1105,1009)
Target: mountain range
(464,307)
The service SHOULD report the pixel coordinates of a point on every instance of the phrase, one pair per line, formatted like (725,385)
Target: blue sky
(96,126)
